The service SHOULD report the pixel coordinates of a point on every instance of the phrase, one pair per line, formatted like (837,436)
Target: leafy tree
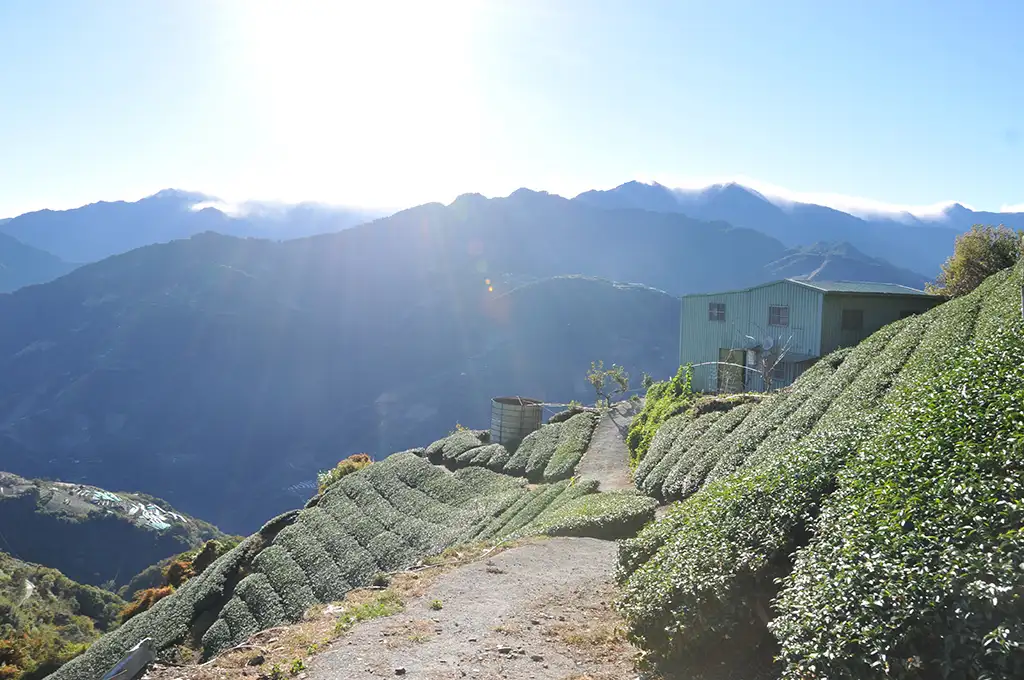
(646,381)
(620,378)
(978,253)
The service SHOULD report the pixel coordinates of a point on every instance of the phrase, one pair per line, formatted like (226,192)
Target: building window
(716,311)
(853,319)
(907,312)
(778,316)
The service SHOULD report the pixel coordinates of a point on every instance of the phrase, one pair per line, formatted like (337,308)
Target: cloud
(228,208)
(1014,208)
(782,196)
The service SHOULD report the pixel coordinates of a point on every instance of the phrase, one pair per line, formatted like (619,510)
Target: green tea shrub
(865,522)
(915,571)
(573,439)
(608,516)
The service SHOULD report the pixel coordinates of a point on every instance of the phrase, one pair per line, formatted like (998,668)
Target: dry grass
(594,634)
(413,631)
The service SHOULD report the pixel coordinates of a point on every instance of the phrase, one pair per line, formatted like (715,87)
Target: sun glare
(348,88)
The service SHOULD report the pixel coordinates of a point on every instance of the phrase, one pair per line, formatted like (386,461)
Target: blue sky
(909,103)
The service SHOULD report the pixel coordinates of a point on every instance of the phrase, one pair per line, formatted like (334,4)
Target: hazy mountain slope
(840,262)
(23,265)
(98,230)
(539,234)
(216,372)
(64,525)
(914,243)
(46,618)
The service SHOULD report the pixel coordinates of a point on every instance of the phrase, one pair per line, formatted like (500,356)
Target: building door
(730,370)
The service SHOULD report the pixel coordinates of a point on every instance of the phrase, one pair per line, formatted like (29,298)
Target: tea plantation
(863,523)
(382,518)
(550,454)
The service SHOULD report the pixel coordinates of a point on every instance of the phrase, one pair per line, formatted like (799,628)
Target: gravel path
(539,610)
(607,458)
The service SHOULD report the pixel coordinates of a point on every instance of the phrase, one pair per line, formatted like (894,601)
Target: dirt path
(607,458)
(540,610)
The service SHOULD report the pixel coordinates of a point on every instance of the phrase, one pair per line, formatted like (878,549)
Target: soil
(607,458)
(540,610)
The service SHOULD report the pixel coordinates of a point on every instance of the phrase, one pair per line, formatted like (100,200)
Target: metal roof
(864,287)
(836,287)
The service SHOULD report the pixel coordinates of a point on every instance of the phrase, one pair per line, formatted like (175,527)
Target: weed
(437,605)
(386,603)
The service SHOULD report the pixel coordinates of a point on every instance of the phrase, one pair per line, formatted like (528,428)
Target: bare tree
(770,359)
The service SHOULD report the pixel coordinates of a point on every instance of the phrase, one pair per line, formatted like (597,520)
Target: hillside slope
(862,523)
(46,618)
(382,518)
(22,265)
(218,372)
(62,525)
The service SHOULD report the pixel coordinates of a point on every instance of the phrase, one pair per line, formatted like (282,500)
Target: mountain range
(39,246)
(919,243)
(222,373)
(98,230)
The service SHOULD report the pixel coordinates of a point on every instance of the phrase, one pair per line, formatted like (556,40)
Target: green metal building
(733,339)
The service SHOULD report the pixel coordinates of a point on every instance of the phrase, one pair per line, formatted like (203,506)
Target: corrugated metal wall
(879,310)
(746,314)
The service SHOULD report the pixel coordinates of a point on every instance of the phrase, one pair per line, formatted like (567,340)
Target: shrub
(664,400)
(573,439)
(177,572)
(933,500)
(351,464)
(692,465)
(978,253)
(609,516)
(144,599)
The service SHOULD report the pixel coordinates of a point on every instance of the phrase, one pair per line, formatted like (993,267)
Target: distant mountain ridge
(840,262)
(98,230)
(916,243)
(92,535)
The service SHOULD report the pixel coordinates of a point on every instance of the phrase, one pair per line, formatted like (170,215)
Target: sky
(395,103)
